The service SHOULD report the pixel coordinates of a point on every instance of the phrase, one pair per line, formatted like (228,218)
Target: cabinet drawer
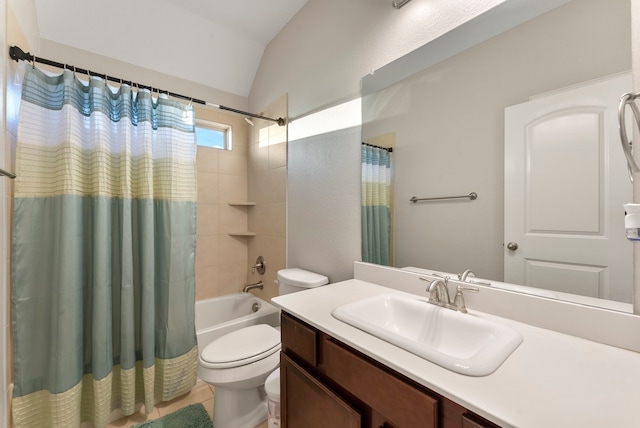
(299,339)
(307,403)
(472,421)
(401,404)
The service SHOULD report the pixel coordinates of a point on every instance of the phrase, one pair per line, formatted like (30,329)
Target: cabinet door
(309,404)
(299,339)
(401,404)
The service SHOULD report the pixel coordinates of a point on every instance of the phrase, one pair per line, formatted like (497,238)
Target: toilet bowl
(238,363)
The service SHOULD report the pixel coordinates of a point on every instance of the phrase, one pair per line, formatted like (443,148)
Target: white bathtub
(218,316)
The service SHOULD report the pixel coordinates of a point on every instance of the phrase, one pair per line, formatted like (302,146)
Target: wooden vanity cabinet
(307,402)
(325,383)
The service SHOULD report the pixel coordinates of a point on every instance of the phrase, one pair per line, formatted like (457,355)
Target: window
(212,134)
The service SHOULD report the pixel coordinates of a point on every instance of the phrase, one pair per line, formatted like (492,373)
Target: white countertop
(550,380)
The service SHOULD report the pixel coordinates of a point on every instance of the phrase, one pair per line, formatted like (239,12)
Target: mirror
(444,114)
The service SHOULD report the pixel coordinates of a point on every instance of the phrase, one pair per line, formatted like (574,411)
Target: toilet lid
(301,278)
(242,346)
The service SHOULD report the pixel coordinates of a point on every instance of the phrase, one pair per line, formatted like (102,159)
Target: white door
(566,182)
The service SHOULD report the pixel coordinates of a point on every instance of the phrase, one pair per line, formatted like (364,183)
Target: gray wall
(320,56)
(318,60)
(449,126)
(323,231)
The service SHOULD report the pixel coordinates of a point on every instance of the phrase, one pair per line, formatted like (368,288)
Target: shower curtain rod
(389,149)
(18,54)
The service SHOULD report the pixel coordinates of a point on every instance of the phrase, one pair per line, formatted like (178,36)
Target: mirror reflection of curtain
(376,205)
(103,274)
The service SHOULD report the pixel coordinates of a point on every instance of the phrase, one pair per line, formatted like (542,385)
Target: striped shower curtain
(376,205)
(103,245)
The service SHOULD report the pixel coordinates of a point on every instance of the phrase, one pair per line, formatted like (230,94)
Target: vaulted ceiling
(212,42)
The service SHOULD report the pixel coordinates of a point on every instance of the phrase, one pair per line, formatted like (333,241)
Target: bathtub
(218,316)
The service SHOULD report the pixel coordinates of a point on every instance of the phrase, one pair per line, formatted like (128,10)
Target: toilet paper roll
(632,221)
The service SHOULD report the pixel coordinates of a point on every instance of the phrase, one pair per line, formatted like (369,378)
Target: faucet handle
(437,275)
(437,278)
(260,266)
(444,279)
(458,300)
(471,281)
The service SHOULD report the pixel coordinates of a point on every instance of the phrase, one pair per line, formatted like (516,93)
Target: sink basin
(462,343)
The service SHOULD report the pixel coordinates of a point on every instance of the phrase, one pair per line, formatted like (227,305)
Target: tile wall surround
(254,171)
(267,177)
(221,260)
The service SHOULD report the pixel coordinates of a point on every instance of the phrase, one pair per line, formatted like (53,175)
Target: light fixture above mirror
(399,4)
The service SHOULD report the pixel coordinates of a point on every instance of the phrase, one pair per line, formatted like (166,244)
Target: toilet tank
(295,279)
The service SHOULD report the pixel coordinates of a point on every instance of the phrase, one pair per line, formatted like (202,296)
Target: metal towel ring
(627,145)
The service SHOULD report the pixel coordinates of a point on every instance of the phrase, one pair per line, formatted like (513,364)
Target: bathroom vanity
(325,380)
(333,374)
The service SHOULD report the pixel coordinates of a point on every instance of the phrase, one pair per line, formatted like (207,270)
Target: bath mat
(193,416)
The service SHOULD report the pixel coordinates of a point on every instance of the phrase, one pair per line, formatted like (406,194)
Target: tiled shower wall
(221,260)
(254,171)
(268,189)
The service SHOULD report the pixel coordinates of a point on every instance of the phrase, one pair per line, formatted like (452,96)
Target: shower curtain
(102,281)
(376,205)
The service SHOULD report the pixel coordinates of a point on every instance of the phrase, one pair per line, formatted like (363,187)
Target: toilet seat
(241,347)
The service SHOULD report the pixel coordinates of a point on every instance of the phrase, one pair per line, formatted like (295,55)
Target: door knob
(512,246)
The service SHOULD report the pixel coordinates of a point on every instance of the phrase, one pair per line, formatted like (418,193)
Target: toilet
(238,363)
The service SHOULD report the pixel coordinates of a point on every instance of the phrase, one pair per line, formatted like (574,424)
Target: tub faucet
(248,287)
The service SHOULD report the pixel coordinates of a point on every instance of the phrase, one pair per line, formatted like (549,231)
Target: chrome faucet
(471,274)
(438,292)
(248,287)
(463,276)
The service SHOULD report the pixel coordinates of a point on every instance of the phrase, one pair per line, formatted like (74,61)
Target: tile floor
(201,393)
